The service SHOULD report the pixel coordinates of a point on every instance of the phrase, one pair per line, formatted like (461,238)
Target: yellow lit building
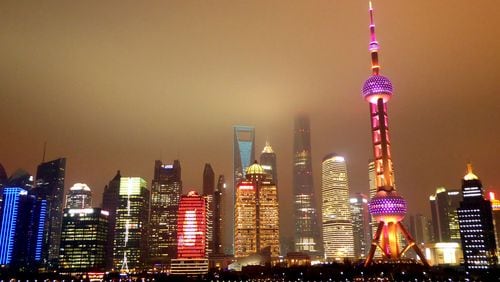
(256,221)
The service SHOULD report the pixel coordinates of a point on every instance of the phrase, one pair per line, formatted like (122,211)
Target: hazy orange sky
(117,84)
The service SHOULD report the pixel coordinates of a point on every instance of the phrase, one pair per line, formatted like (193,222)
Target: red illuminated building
(191,236)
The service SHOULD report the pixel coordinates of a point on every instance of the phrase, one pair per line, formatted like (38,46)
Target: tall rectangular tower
(361,228)
(50,187)
(166,191)
(208,193)
(444,204)
(307,231)
(243,156)
(131,236)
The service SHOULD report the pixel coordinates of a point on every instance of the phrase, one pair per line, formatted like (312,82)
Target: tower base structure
(388,208)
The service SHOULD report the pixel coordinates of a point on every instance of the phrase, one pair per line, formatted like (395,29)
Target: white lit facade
(338,240)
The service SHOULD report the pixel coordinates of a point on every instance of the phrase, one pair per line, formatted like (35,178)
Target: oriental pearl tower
(387,207)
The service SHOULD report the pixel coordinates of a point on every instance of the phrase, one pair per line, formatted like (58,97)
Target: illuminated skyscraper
(336,213)
(387,207)
(192,257)
(475,218)
(50,187)
(307,229)
(361,228)
(444,206)
(131,237)
(243,154)
(83,240)
(21,229)
(495,206)
(208,193)
(110,203)
(166,191)
(268,162)
(256,222)
(79,197)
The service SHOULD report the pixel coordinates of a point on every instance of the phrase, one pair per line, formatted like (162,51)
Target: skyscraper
(476,225)
(361,227)
(268,162)
(387,207)
(166,191)
(131,236)
(307,229)
(336,213)
(495,206)
(192,257)
(83,240)
(421,228)
(50,187)
(110,203)
(218,211)
(21,229)
(208,193)
(256,222)
(244,155)
(444,204)
(79,197)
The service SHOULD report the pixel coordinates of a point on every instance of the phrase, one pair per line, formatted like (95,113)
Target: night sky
(117,84)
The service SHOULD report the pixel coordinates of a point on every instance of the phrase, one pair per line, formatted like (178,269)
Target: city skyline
(55,90)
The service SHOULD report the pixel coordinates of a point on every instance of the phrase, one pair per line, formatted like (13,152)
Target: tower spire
(374,47)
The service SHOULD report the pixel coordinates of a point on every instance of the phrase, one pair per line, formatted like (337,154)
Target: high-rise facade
(475,218)
(307,229)
(83,240)
(192,256)
(131,236)
(268,162)
(208,193)
(421,228)
(256,222)
(217,213)
(79,197)
(444,204)
(361,227)
(243,156)
(387,207)
(495,206)
(336,213)
(110,203)
(166,190)
(21,229)
(50,187)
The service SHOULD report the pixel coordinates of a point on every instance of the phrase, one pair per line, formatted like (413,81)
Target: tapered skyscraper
(268,162)
(208,193)
(244,155)
(166,191)
(110,203)
(50,187)
(387,207)
(307,232)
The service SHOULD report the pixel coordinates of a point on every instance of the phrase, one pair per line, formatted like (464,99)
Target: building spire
(374,47)
(470,175)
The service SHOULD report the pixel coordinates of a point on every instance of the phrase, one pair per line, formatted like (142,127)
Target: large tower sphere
(375,87)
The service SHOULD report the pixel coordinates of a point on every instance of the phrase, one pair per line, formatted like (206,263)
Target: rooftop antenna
(44,150)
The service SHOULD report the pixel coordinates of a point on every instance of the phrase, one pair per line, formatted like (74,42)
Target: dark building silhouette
(218,211)
(421,228)
(166,190)
(444,206)
(476,225)
(49,186)
(208,193)
(110,202)
(268,162)
(307,229)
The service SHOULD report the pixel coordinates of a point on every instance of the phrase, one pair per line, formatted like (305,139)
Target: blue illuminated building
(21,228)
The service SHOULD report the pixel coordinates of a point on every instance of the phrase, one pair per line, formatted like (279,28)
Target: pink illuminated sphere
(387,207)
(375,87)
